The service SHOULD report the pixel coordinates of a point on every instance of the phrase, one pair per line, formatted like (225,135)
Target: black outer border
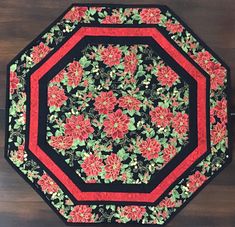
(227,92)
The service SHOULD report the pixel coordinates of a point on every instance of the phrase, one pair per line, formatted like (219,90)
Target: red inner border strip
(118,196)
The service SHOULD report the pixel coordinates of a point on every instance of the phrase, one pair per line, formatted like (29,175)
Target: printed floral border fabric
(117,115)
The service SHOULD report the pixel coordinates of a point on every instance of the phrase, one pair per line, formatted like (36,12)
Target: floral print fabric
(124,108)
(74,130)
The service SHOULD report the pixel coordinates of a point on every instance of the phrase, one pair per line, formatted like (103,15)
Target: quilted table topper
(117,114)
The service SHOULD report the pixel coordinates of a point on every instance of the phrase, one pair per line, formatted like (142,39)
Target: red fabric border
(118,196)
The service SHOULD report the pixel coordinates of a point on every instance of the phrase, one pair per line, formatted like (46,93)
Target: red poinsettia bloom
(76,14)
(212,116)
(59,77)
(130,63)
(169,153)
(161,116)
(39,52)
(166,76)
(167,203)
(75,72)
(217,74)
(203,57)
(112,167)
(150,148)
(218,133)
(174,27)
(180,123)
(150,15)
(111,56)
(195,181)
(47,184)
(56,96)
(61,142)
(129,103)
(81,214)
(133,212)
(216,70)
(221,110)
(20,153)
(14,81)
(112,19)
(78,127)
(92,165)
(105,102)
(116,124)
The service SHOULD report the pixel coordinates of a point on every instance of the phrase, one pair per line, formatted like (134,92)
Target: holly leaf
(122,154)
(13,67)
(132,124)
(79,142)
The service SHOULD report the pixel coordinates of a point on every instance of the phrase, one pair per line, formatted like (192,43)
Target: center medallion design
(119,113)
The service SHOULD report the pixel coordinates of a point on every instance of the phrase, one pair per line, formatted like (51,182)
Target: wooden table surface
(23,20)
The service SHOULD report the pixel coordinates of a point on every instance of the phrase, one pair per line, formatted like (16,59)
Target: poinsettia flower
(168,153)
(116,124)
(150,148)
(221,110)
(76,14)
(111,56)
(61,142)
(92,165)
(216,71)
(78,127)
(203,57)
(133,213)
(161,116)
(130,63)
(195,181)
(217,74)
(56,96)
(150,15)
(174,27)
(20,153)
(112,167)
(59,77)
(166,76)
(105,102)
(75,72)
(218,133)
(180,123)
(112,19)
(47,184)
(129,103)
(167,202)
(14,82)
(39,52)
(81,214)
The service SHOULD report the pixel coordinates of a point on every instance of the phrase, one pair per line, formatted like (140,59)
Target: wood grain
(23,20)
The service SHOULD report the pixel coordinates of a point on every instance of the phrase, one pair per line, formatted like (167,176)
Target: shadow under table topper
(117,114)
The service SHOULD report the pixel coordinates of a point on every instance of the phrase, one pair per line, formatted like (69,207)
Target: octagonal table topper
(117,114)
